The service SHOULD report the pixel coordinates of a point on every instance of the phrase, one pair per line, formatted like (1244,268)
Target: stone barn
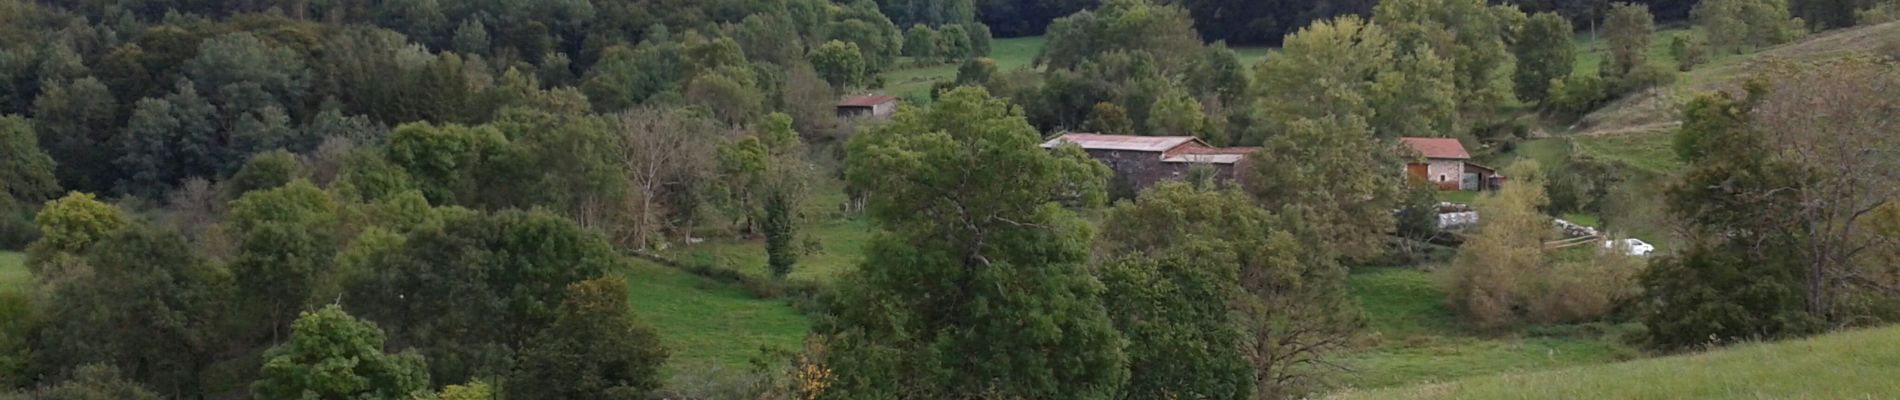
(1447,165)
(867,107)
(1140,162)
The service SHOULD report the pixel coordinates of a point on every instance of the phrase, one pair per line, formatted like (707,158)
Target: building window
(1441,178)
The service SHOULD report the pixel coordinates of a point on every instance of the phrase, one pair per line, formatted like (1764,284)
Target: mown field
(915,82)
(1412,337)
(1850,365)
(708,326)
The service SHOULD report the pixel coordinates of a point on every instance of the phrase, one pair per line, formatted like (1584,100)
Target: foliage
(1347,68)
(74,119)
(74,223)
(840,63)
(1544,53)
(26,173)
(287,242)
(149,307)
(1468,33)
(779,235)
(975,285)
(333,355)
(1326,163)
(95,382)
(1485,282)
(1728,285)
(1626,34)
(491,283)
(264,171)
(1734,26)
(1177,243)
(1164,31)
(592,350)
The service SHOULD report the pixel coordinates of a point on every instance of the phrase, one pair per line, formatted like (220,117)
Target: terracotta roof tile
(1440,148)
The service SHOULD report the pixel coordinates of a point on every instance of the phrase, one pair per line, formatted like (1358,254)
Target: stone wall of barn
(1138,170)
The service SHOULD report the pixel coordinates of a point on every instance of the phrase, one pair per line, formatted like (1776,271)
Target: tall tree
(1742,276)
(1545,52)
(332,355)
(469,291)
(1832,121)
(1733,26)
(1164,31)
(840,63)
(593,350)
(1198,271)
(26,173)
(287,242)
(1469,33)
(975,284)
(1348,68)
(150,308)
(1627,33)
(77,124)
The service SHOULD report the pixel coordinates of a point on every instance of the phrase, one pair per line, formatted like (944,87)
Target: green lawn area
(841,247)
(915,82)
(13,274)
(1851,365)
(1650,153)
(1590,51)
(708,325)
(1417,339)
(1253,55)
(1457,196)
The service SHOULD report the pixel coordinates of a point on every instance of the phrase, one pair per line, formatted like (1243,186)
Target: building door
(1417,170)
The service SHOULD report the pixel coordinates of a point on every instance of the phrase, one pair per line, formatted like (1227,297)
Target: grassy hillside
(13,275)
(1851,365)
(1414,338)
(709,326)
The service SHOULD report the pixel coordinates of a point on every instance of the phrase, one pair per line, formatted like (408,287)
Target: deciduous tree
(975,285)
(332,355)
(1545,52)
(594,349)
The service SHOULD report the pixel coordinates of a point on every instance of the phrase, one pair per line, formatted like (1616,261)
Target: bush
(1642,78)
(1584,291)
(1574,95)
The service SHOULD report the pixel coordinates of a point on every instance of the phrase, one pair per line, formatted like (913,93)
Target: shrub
(1582,291)
(1642,78)
(1574,95)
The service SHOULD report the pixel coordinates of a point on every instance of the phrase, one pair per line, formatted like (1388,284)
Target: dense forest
(440,199)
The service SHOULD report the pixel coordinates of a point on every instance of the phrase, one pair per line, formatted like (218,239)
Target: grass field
(915,82)
(1646,153)
(1851,365)
(710,326)
(1417,339)
(841,244)
(13,274)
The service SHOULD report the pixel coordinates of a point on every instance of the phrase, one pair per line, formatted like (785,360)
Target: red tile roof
(1122,142)
(866,101)
(1440,148)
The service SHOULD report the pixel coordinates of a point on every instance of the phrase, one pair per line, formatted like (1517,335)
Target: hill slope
(1655,110)
(1850,365)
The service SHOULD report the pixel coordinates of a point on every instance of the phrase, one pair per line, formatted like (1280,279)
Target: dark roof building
(867,106)
(1142,161)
